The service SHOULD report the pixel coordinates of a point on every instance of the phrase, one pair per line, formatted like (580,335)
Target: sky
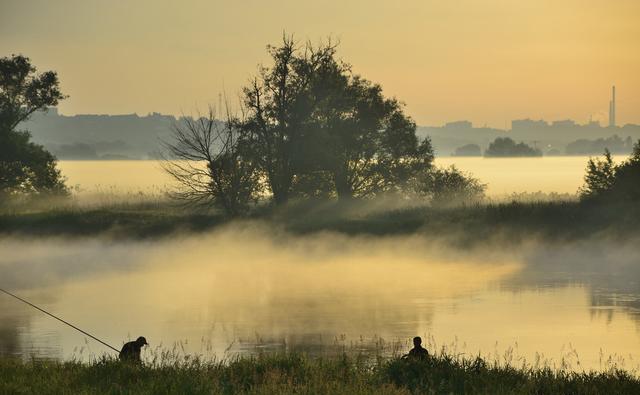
(487,61)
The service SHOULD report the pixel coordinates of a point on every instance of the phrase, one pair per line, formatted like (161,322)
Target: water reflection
(246,289)
(607,269)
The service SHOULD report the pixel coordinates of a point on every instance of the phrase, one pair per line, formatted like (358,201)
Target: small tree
(601,174)
(610,182)
(211,163)
(25,167)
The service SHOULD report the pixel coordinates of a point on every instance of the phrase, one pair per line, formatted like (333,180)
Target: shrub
(449,186)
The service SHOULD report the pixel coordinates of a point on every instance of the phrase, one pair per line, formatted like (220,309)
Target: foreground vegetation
(293,373)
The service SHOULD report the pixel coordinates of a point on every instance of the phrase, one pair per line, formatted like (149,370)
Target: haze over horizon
(488,63)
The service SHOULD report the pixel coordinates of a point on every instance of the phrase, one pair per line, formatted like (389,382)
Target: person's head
(141,341)
(417,341)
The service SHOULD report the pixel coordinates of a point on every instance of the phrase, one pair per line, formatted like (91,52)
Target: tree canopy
(25,167)
(318,125)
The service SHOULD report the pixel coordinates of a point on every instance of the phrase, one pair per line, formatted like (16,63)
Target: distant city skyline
(603,119)
(454,123)
(489,62)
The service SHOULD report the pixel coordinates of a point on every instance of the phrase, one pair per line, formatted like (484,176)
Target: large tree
(25,166)
(313,120)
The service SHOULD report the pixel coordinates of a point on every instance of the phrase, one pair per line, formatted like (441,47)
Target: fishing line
(60,319)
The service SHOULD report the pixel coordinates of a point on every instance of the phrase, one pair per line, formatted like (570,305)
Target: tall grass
(297,373)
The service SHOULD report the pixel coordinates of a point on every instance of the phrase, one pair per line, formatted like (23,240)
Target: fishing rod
(60,319)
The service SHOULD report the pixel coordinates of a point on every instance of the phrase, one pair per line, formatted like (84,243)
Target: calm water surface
(246,289)
(503,176)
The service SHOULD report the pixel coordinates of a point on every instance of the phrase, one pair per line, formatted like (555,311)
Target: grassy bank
(285,374)
(565,220)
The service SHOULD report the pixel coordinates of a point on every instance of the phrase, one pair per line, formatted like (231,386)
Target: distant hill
(100,136)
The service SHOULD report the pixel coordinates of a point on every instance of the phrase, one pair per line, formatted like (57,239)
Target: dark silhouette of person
(418,352)
(131,350)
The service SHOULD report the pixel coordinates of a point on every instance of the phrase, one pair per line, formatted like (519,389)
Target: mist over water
(247,288)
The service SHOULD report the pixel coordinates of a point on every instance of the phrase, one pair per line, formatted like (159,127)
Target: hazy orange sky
(488,61)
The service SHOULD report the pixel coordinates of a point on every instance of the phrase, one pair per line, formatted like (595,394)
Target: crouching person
(131,351)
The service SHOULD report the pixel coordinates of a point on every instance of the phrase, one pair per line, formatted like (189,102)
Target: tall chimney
(610,114)
(612,107)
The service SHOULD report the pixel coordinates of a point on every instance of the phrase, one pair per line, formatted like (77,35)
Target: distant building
(458,125)
(528,124)
(563,123)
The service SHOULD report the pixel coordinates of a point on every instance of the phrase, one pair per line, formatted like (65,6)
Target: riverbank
(293,373)
(513,222)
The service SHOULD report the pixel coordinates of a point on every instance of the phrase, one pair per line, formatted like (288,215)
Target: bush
(449,186)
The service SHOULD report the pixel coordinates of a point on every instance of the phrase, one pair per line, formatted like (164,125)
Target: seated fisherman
(131,350)
(417,352)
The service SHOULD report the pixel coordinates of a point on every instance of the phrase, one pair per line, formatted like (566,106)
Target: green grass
(511,222)
(295,373)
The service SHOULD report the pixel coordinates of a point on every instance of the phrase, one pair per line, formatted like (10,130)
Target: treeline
(309,127)
(501,147)
(614,144)
(507,147)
